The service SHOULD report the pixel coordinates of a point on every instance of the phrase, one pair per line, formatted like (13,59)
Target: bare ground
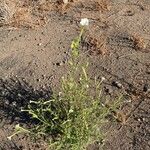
(34,53)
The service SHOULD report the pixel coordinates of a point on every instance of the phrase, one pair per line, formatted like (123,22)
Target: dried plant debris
(139,42)
(29,13)
(17,13)
(32,14)
(4,15)
(6,11)
(96,5)
(94,46)
(103,5)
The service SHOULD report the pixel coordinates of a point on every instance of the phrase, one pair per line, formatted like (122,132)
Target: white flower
(103,104)
(65,1)
(87,86)
(71,111)
(60,93)
(103,79)
(9,138)
(84,22)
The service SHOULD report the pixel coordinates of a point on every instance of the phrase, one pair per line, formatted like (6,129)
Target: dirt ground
(34,48)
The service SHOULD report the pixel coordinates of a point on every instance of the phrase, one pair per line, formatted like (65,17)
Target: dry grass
(96,46)
(19,13)
(103,5)
(139,42)
(28,13)
(31,14)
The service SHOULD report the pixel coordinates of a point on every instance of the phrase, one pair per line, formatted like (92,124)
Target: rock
(146,88)
(38,80)
(117,84)
(39,44)
(6,102)
(57,64)
(108,89)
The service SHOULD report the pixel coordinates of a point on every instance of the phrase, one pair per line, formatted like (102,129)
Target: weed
(95,46)
(103,5)
(139,42)
(73,118)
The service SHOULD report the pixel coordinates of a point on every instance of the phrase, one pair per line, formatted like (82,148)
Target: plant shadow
(15,94)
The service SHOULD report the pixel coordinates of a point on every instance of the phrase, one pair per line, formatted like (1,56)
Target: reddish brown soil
(33,58)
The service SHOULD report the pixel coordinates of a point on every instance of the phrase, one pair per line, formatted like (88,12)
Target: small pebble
(19,95)
(14,104)
(117,84)
(144,119)
(39,44)
(38,80)
(6,102)
(59,64)
(43,76)
(108,90)
(146,88)
(129,101)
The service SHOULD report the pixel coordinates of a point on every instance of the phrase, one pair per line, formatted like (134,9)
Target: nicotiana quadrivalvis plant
(73,118)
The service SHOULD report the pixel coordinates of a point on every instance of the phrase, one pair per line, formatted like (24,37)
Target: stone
(117,84)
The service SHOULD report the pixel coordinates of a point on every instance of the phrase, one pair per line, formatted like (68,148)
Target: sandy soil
(34,49)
